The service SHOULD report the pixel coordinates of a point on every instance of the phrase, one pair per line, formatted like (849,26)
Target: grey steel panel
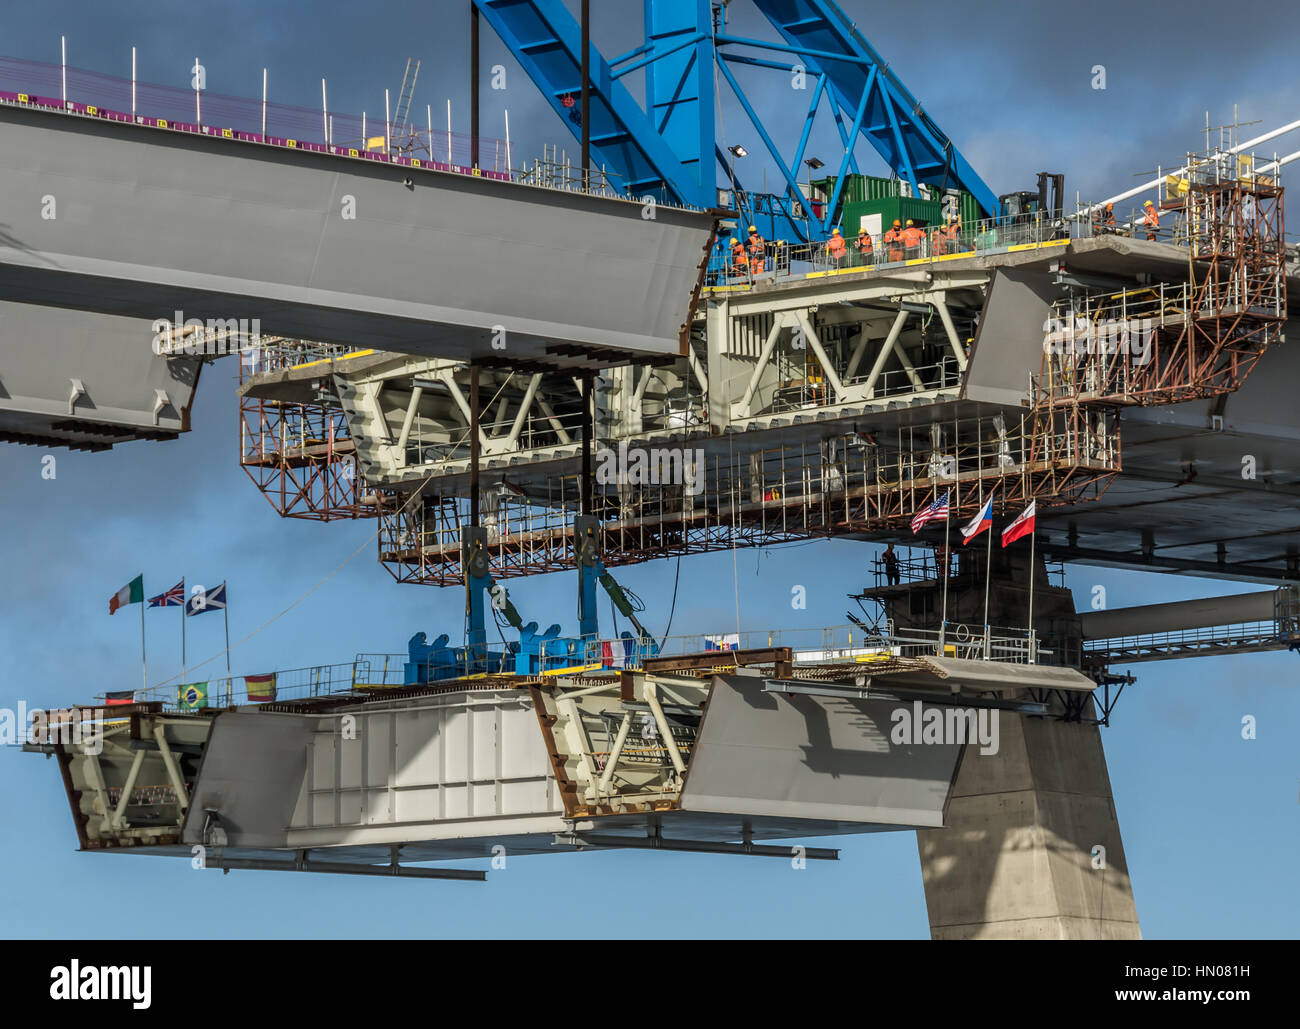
(953,672)
(252,772)
(1009,344)
(812,758)
(42,349)
(149,222)
(1182,614)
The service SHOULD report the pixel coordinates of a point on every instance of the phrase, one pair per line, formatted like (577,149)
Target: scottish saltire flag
(192,696)
(206,600)
(174,597)
(983,520)
(260,688)
(1022,526)
(939,509)
(131,593)
(727,641)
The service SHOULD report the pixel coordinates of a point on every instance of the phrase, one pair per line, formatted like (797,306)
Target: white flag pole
(1033,649)
(947,561)
(988,575)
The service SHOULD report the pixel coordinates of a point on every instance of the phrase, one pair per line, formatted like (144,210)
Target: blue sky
(1209,820)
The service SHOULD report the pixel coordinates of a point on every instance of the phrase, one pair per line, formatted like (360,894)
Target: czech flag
(982,521)
(1022,526)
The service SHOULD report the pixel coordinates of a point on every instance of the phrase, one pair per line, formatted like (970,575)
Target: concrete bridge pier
(1031,847)
(1019,857)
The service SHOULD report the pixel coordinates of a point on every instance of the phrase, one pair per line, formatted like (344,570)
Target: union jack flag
(939,509)
(174,597)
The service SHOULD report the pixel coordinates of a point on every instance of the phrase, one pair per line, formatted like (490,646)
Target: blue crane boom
(670,148)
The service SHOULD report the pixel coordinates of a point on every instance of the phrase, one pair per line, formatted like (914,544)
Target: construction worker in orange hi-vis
(938,242)
(894,241)
(951,232)
(835,247)
(757,250)
(739,262)
(912,239)
(1151,220)
(866,247)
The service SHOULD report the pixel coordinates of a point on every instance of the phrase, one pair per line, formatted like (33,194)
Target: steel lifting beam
(300,863)
(696,846)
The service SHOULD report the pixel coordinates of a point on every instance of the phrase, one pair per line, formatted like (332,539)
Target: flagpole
(144,665)
(185,608)
(988,574)
(225,611)
(1033,656)
(947,560)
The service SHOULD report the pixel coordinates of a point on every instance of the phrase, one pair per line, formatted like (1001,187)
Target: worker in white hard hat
(1151,219)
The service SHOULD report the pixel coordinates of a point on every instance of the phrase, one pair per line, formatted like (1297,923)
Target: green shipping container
(878,215)
(864,195)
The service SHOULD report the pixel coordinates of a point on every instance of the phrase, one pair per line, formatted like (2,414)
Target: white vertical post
(388,126)
(508,165)
(1033,639)
(63,50)
(198,93)
(449,132)
(133,83)
(263,105)
(428,110)
(324,112)
(365,140)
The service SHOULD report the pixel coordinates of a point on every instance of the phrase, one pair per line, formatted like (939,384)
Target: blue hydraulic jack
(535,653)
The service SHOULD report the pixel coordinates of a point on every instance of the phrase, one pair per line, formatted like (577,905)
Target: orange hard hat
(897,223)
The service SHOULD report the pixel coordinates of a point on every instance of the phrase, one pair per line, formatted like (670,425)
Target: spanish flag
(260,688)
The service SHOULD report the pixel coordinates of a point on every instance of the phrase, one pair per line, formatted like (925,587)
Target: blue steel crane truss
(669,149)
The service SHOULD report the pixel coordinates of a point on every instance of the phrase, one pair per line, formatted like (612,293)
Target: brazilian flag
(193,696)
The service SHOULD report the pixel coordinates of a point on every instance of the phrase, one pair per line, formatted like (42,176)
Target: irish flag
(1022,526)
(131,593)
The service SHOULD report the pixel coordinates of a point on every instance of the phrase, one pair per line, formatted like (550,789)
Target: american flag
(939,509)
(174,597)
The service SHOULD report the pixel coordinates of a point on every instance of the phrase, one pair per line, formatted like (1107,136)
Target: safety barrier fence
(418,144)
(781,259)
(833,645)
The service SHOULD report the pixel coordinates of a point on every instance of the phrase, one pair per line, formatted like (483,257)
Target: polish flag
(982,521)
(1022,526)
